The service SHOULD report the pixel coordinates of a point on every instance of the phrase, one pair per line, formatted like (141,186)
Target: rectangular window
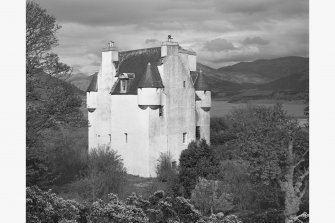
(123,86)
(161,111)
(184,137)
(126,137)
(184,84)
(197,132)
(110,137)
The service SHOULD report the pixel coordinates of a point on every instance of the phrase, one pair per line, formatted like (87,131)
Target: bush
(116,211)
(198,160)
(47,207)
(207,197)
(164,169)
(167,174)
(106,172)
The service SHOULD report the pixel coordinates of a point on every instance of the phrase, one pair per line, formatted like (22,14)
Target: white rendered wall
(205,97)
(128,118)
(179,108)
(149,96)
(91,103)
(100,135)
(91,99)
(203,116)
(192,60)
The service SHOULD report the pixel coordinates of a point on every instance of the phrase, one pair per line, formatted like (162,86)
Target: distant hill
(260,78)
(294,82)
(267,70)
(80,80)
(233,76)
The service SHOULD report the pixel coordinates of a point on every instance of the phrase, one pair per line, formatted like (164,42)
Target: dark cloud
(255,41)
(218,45)
(218,30)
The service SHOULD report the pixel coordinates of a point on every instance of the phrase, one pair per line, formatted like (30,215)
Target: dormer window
(123,86)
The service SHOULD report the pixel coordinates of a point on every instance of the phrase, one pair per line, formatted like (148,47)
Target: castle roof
(93,87)
(200,83)
(136,62)
(151,78)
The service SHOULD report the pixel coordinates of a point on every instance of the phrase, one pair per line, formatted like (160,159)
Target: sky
(222,32)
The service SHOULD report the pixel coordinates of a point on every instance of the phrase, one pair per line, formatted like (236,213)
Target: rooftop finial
(169,38)
(111,44)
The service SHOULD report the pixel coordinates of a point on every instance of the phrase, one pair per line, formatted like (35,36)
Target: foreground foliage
(47,207)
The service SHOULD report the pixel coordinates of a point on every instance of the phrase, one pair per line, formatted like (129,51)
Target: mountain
(246,80)
(295,82)
(267,70)
(233,76)
(80,80)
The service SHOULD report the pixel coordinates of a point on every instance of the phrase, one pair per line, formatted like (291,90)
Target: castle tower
(152,102)
(99,99)
(149,90)
(203,106)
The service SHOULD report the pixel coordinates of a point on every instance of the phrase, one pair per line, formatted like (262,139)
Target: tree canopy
(276,148)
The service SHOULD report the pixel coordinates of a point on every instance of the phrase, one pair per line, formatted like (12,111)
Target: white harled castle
(148,101)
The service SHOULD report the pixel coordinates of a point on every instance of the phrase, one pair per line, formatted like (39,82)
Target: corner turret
(203,91)
(91,94)
(150,87)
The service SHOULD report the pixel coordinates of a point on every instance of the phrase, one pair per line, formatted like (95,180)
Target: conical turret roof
(93,87)
(151,78)
(200,83)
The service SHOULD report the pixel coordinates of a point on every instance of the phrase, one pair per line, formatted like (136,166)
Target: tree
(276,148)
(106,172)
(207,197)
(198,160)
(41,37)
(52,104)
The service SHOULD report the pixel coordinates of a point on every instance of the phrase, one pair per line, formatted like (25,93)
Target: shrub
(116,211)
(47,207)
(106,172)
(164,169)
(207,197)
(167,174)
(198,160)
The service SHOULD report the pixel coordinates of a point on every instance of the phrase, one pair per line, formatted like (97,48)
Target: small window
(123,86)
(110,137)
(184,137)
(161,111)
(184,84)
(197,132)
(126,137)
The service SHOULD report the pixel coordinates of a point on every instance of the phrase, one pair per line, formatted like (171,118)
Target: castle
(145,102)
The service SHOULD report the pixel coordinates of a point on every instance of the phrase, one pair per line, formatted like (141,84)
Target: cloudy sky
(222,32)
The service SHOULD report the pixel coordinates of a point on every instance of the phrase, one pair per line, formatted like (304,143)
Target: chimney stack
(169,48)
(108,69)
